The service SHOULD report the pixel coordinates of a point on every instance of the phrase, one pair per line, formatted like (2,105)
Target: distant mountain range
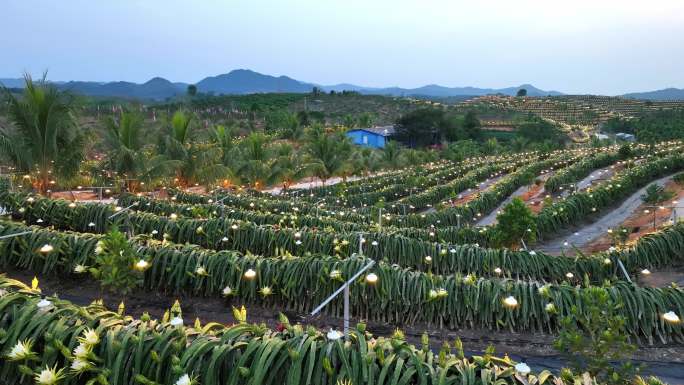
(664,94)
(244,81)
(434,90)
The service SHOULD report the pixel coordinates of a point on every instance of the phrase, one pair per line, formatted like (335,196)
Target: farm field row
(433,266)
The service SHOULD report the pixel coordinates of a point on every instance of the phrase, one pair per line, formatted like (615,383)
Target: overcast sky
(597,46)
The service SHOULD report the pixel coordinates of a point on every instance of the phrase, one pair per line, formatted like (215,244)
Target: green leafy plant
(90,345)
(515,222)
(116,265)
(655,194)
(44,137)
(595,335)
(625,151)
(619,235)
(679,179)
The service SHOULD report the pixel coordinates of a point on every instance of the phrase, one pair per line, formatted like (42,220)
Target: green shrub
(679,179)
(515,222)
(595,335)
(116,265)
(656,194)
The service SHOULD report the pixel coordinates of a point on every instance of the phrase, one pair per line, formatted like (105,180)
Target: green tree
(292,127)
(536,129)
(651,127)
(254,166)
(287,122)
(222,136)
(679,179)
(519,144)
(192,90)
(349,121)
(364,160)
(421,127)
(329,153)
(460,150)
(195,162)
(365,119)
(491,147)
(254,109)
(392,155)
(617,124)
(515,222)
(303,117)
(656,194)
(461,127)
(593,337)
(175,144)
(116,265)
(288,166)
(125,140)
(625,151)
(521,92)
(471,125)
(44,137)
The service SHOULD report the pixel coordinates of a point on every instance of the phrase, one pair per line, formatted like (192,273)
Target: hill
(250,82)
(12,83)
(664,94)
(435,90)
(243,81)
(156,88)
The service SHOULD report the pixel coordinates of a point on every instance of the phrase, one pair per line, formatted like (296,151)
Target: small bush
(679,179)
(115,264)
(656,194)
(593,337)
(515,222)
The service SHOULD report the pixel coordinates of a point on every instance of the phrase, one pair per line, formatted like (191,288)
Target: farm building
(372,137)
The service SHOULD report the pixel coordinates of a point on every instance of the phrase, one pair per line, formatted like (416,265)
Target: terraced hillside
(575,110)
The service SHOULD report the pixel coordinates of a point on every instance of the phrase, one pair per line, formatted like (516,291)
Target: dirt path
(468,195)
(316,182)
(645,220)
(600,174)
(663,278)
(490,219)
(532,195)
(594,230)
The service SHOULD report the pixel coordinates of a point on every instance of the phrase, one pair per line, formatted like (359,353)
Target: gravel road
(611,219)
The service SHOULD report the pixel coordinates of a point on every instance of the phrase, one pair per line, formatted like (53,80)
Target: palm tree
(365,120)
(392,155)
(328,152)
(519,144)
(254,165)
(289,166)
(128,156)
(364,160)
(348,121)
(195,162)
(203,165)
(292,127)
(222,136)
(176,143)
(45,137)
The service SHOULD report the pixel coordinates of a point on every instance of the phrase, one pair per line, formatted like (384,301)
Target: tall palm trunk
(44,179)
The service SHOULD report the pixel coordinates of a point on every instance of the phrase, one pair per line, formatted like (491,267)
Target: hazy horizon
(609,48)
